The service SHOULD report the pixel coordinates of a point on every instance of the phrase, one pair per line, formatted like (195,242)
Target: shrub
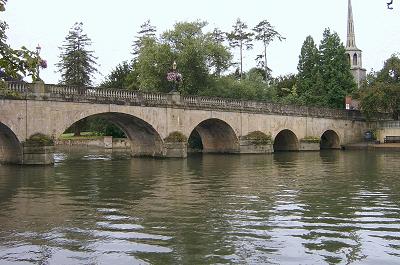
(176,137)
(258,138)
(39,139)
(310,139)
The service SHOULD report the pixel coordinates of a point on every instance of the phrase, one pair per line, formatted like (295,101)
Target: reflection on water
(97,207)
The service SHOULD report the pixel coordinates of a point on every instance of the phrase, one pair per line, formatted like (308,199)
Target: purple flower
(43,64)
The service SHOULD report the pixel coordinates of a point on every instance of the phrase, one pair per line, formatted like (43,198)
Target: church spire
(351,37)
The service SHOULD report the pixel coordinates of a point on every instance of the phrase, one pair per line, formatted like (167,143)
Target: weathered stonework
(175,150)
(307,146)
(249,147)
(37,155)
(147,119)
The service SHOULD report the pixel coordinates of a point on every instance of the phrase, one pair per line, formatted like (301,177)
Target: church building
(354,54)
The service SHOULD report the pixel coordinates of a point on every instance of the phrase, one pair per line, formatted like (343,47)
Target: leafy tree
(285,84)
(240,38)
(77,64)
(219,56)
(335,70)
(382,91)
(16,64)
(118,76)
(266,33)
(309,79)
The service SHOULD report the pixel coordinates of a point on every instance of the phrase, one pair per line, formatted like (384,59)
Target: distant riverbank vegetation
(192,59)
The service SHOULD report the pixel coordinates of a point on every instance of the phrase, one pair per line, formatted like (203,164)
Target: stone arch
(330,140)
(286,140)
(216,136)
(355,59)
(348,58)
(10,147)
(145,140)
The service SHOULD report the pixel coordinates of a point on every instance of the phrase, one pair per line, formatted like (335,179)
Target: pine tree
(146,31)
(266,33)
(240,38)
(335,70)
(77,64)
(219,58)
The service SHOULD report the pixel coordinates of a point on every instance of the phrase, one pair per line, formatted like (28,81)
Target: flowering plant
(43,64)
(174,77)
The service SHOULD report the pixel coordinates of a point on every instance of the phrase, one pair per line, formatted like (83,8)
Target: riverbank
(373,146)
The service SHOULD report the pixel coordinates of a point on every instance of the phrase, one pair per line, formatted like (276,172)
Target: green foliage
(382,91)
(118,78)
(285,85)
(258,138)
(39,139)
(16,64)
(176,137)
(240,38)
(310,139)
(324,77)
(77,64)
(102,127)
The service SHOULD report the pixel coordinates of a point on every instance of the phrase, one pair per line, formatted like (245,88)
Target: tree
(266,33)
(16,64)
(324,77)
(309,79)
(77,64)
(146,31)
(240,38)
(219,56)
(335,70)
(118,76)
(382,92)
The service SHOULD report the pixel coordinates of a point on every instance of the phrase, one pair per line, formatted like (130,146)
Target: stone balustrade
(129,97)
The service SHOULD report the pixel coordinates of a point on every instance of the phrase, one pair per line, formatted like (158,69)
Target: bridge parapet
(129,97)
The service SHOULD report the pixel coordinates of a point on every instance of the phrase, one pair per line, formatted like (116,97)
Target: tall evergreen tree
(146,31)
(335,70)
(77,64)
(266,33)
(240,38)
(309,79)
(219,58)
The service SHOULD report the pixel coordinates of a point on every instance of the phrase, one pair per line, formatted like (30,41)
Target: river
(95,207)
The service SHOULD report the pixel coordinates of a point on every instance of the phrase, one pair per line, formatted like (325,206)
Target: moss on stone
(311,139)
(176,137)
(39,139)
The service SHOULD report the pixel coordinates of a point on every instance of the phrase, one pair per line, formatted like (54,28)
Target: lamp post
(174,77)
(38,49)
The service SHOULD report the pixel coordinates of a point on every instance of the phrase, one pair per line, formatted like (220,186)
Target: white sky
(112,26)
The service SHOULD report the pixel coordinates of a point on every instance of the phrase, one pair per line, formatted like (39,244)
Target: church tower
(353,53)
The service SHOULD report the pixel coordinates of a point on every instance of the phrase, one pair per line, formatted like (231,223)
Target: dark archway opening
(330,140)
(286,141)
(213,136)
(143,139)
(10,147)
(355,60)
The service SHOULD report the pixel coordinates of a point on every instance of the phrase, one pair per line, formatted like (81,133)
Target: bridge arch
(145,140)
(215,136)
(330,140)
(10,147)
(286,140)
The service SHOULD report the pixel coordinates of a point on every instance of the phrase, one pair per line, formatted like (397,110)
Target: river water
(95,207)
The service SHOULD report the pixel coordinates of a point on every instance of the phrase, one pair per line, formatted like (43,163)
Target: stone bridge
(222,125)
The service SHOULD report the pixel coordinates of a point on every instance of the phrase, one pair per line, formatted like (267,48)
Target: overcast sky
(112,26)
